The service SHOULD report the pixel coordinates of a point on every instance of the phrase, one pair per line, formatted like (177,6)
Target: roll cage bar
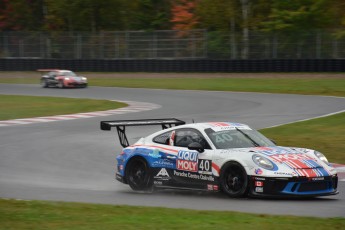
(121,126)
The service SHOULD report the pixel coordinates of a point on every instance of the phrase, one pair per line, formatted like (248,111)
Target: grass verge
(31,106)
(324,134)
(333,86)
(59,215)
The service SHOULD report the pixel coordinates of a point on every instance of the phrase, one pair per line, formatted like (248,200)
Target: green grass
(14,106)
(323,134)
(333,87)
(58,215)
(292,85)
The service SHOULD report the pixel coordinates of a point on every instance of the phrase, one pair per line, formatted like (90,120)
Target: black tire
(138,175)
(44,83)
(234,180)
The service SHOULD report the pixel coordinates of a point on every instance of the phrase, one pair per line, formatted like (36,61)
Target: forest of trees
(235,28)
(212,15)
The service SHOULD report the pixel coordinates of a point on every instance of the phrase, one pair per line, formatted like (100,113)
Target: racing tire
(44,83)
(234,180)
(60,85)
(138,175)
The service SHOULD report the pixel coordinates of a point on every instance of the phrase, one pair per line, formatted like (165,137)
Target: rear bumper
(120,178)
(293,187)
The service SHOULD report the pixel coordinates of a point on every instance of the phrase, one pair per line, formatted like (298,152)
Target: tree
(183,15)
(20,15)
(298,15)
(150,14)
(86,15)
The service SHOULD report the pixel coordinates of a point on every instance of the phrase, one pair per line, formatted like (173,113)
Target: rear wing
(121,126)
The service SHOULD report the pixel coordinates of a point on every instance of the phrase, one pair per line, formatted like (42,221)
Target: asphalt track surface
(74,160)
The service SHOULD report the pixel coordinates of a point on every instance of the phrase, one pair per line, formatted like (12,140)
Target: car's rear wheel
(137,174)
(234,180)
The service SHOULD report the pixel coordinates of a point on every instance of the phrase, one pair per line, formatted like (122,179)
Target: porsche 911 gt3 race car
(62,79)
(219,156)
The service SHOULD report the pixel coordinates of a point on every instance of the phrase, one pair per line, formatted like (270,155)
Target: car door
(193,168)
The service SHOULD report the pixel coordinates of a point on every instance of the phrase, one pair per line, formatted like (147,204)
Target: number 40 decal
(205,165)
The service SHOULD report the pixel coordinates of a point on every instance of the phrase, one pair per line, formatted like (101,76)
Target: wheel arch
(132,158)
(244,165)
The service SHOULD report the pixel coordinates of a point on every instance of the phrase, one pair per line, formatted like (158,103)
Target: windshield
(243,138)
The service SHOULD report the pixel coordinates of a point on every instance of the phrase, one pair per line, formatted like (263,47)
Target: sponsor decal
(258,171)
(187,161)
(162,175)
(212,187)
(157,182)
(259,189)
(163,163)
(259,183)
(284,173)
(187,155)
(193,176)
(259,178)
(187,165)
(155,154)
(318,178)
(276,150)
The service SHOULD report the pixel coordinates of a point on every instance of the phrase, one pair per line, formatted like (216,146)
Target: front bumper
(75,84)
(293,187)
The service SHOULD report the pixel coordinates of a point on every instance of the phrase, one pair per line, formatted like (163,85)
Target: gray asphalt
(74,160)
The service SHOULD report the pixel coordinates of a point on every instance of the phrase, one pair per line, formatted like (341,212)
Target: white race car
(219,156)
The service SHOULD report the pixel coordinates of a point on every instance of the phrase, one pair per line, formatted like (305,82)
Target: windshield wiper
(248,137)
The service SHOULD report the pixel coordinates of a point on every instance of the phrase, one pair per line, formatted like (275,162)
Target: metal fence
(194,44)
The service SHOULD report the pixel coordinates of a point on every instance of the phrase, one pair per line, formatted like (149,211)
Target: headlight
(321,157)
(84,78)
(262,162)
(66,78)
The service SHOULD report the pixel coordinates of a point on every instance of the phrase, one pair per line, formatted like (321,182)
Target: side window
(184,137)
(52,74)
(163,138)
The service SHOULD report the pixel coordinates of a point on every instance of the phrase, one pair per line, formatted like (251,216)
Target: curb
(133,107)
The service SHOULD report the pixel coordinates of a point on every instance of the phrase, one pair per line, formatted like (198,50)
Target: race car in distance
(219,156)
(62,79)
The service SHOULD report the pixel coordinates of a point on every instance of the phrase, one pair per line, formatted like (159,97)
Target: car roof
(215,125)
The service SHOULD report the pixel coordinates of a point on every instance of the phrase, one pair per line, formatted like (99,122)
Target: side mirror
(274,142)
(196,146)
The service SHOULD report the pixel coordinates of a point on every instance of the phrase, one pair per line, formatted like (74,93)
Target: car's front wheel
(137,174)
(234,180)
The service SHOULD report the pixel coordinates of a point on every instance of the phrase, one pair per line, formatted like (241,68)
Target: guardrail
(160,65)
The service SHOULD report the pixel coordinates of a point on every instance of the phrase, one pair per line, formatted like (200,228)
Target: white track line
(326,115)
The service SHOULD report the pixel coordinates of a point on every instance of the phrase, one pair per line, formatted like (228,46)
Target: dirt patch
(24,74)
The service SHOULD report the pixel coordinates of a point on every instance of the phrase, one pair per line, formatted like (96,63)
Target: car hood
(302,161)
(296,158)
